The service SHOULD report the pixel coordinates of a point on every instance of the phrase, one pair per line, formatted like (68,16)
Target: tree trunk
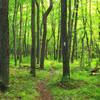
(75,33)
(99,30)
(33,38)
(47,49)
(54,46)
(25,45)
(91,32)
(4,43)
(82,54)
(69,29)
(64,37)
(58,41)
(41,29)
(72,21)
(38,34)
(45,15)
(99,18)
(60,50)
(47,42)
(14,33)
(20,38)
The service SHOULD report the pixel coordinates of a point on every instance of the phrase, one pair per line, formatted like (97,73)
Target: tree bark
(44,34)
(47,42)
(53,32)
(99,18)
(14,33)
(69,28)
(20,38)
(33,39)
(41,27)
(60,50)
(54,45)
(4,43)
(75,33)
(38,33)
(91,32)
(64,37)
(72,21)
(25,45)
(58,41)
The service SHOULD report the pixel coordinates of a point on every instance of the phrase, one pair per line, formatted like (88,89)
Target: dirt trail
(43,89)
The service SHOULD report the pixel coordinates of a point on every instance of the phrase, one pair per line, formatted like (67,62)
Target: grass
(22,86)
(82,86)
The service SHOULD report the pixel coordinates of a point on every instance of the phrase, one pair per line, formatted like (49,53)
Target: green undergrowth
(49,64)
(25,61)
(81,86)
(22,86)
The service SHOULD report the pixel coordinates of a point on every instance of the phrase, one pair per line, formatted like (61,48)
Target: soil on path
(43,89)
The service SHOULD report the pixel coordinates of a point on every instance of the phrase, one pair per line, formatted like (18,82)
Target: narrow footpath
(43,89)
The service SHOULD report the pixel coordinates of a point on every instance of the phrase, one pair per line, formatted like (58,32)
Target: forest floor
(48,83)
(43,90)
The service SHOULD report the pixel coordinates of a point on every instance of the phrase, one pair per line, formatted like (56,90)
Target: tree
(58,41)
(14,32)
(47,42)
(38,35)
(45,15)
(64,38)
(85,34)
(53,32)
(4,43)
(33,38)
(60,50)
(24,41)
(91,32)
(20,38)
(75,33)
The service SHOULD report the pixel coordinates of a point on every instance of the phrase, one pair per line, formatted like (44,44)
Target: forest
(49,49)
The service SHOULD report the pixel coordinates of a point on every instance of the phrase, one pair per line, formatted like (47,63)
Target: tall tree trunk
(99,18)
(4,43)
(85,34)
(82,54)
(72,21)
(75,33)
(28,42)
(64,37)
(99,30)
(33,38)
(45,15)
(47,42)
(60,50)
(41,28)
(69,28)
(53,32)
(14,33)
(54,46)
(25,45)
(38,34)
(58,40)
(47,49)
(91,32)
(20,38)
